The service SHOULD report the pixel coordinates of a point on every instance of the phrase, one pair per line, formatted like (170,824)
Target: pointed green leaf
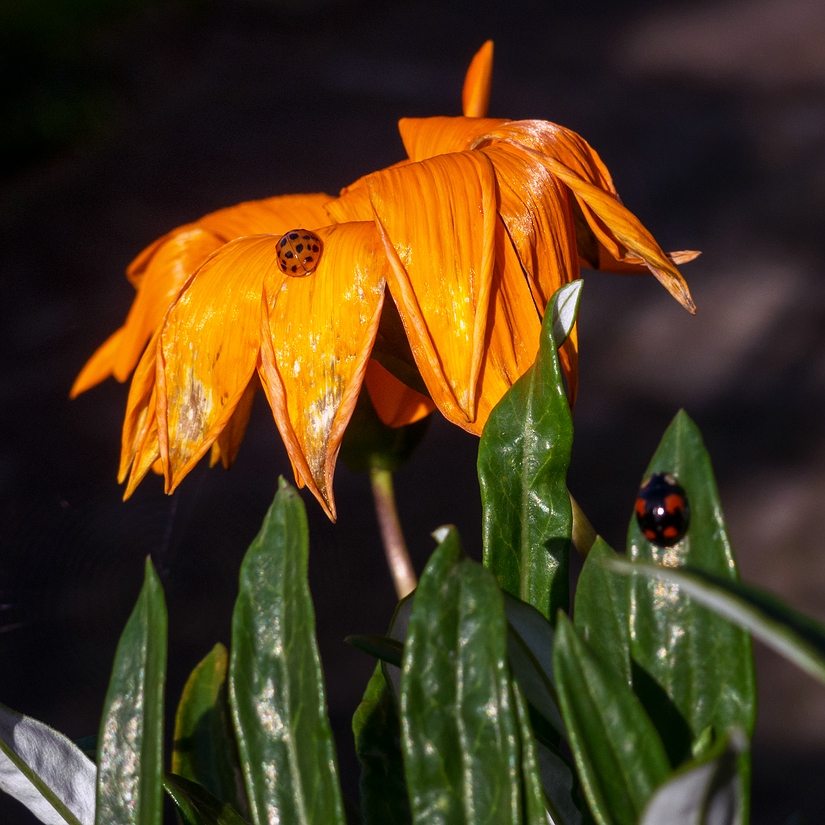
(276,687)
(601,610)
(522,468)
(535,807)
(706,791)
(197,806)
(693,670)
(204,747)
(790,633)
(130,743)
(376,727)
(381,647)
(459,725)
(530,655)
(620,757)
(45,771)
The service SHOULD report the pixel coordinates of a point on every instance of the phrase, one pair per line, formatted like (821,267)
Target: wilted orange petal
(99,366)
(535,207)
(628,230)
(513,333)
(315,347)
(208,350)
(353,205)
(140,408)
(271,216)
(165,274)
(229,441)
(634,265)
(430,136)
(396,404)
(437,220)
(555,142)
(147,455)
(475,96)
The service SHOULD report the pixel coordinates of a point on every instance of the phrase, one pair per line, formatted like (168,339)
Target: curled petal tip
(475,96)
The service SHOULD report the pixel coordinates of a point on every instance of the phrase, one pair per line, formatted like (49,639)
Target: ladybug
(298,252)
(662,510)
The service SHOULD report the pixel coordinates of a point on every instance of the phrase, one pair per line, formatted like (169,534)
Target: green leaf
(620,757)
(706,791)
(130,743)
(459,724)
(535,806)
(204,748)
(276,687)
(197,806)
(376,727)
(45,771)
(381,647)
(601,610)
(790,633)
(522,467)
(692,670)
(530,655)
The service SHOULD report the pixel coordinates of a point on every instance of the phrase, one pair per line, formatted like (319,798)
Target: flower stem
(395,548)
(584,536)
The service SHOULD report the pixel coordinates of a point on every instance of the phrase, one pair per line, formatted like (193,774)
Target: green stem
(395,548)
(584,536)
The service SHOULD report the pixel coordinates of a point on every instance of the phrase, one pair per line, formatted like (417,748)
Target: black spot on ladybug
(662,510)
(307,252)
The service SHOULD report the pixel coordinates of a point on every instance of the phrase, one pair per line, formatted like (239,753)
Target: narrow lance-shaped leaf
(601,610)
(204,749)
(130,744)
(535,807)
(460,740)
(693,670)
(276,686)
(619,754)
(196,806)
(45,771)
(790,633)
(522,466)
(376,727)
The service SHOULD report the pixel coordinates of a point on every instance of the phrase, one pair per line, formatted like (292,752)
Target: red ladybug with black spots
(662,510)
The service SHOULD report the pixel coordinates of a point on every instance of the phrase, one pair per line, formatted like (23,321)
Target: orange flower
(472,234)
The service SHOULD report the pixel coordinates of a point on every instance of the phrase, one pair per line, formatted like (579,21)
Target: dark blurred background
(120,119)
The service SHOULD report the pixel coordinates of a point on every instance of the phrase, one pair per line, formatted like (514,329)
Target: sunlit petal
(172,263)
(396,404)
(535,208)
(437,221)
(475,96)
(271,216)
(315,346)
(512,335)
(430,136)
(634,265)
(208,350)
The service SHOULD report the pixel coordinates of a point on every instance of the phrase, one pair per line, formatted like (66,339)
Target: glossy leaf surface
(522,467)
(535,807)
(692,669)
(276,687)
(130,744)
(196,806)
(460,730)
(790,633)
(619,755)
(204,749)
(377,731)
(45,771)
(601,610)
